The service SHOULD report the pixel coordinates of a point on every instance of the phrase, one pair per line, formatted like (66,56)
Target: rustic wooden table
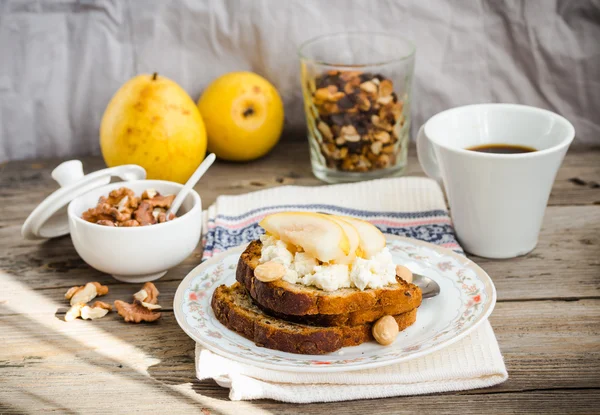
(547,319)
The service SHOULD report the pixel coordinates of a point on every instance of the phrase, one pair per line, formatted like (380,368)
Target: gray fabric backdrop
(62,60)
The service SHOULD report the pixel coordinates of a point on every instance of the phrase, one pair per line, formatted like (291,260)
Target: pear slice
(372,240)
(318,235)
(353,238)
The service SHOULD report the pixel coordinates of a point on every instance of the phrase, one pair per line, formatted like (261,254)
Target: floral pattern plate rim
(467,298)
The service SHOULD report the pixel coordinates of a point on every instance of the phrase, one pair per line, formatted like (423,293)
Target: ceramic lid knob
(68,172)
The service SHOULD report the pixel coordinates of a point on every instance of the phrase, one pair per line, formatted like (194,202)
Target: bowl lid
(49,219)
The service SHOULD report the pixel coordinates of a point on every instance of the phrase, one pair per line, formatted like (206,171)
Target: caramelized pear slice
(317,234)
(372,240)
(353,238)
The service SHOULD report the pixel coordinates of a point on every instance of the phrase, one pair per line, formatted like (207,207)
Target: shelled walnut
(79,296)
(358,118)
(85,293)
(123,209)
(145,301)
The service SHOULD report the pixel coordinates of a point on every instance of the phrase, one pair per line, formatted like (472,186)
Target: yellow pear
(151,121)
(243,114)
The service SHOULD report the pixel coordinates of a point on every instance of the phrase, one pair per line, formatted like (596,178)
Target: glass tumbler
(357,90)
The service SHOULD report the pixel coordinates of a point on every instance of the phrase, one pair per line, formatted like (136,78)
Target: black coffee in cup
(502,149)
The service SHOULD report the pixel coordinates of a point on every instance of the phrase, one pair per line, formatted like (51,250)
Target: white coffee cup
(497,201)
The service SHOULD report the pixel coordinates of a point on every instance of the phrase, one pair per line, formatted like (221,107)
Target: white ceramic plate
(467,298)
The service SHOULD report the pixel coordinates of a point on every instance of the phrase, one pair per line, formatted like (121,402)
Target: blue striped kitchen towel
(407,206)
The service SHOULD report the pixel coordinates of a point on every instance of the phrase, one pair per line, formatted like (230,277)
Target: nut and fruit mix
(356,115)
(122,208)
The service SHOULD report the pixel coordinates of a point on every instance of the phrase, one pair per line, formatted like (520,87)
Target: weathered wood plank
(180,399)
(24,184)
(546,345)
(569,250)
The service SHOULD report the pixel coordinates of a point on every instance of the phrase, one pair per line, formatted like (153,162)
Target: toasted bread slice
(354,318)
(234,309)
(299,300)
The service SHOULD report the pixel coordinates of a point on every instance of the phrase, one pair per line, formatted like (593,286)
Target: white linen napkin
(407,206)
(471,363)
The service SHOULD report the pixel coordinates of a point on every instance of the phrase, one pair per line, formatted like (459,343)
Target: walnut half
(144,301)
(80,295)
(85,293)
(136,312)
(98,310)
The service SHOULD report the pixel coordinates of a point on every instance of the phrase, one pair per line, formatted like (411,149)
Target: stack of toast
(301,319)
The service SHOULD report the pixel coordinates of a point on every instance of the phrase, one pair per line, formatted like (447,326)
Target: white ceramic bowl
(142,253)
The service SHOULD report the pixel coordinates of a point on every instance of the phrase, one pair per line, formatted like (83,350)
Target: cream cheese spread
(375,272)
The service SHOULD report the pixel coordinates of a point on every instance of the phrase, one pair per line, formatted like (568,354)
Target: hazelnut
(349,75)
(378,122)
(396,109)
(343,152)
(385,330)
(349,133)
(385,100)
(376,147)
(404,273)
(329,108)
(348,165)
(325,130)
(386,88)
(349,87)
(388,149)
(355,138)
(269,271)
(363,103)
(328,94)
(382,136)
(369,87)
(383,160)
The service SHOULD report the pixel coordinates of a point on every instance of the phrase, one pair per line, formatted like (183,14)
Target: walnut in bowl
(135,253)
(122,208)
